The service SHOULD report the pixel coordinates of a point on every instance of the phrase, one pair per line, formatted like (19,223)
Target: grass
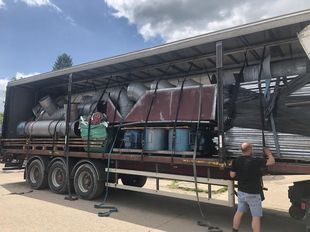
(175,185)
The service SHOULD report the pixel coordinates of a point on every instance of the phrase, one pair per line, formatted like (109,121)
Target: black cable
(69,197)
(149,112)
(261,103)
(205,222)
(234,91)
(102,205)
(177,114)
(91,113)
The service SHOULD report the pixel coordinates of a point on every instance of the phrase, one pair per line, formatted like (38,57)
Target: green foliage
(1,117)
(62,61)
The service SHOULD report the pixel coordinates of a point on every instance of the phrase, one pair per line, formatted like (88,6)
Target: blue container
(132,139)
(182,139)
(155,139)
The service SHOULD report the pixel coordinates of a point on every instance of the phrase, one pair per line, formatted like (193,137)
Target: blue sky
(33,36)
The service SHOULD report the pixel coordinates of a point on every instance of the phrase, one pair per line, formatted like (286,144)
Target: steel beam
(220,101)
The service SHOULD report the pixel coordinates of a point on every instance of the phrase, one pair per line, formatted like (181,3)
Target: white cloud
(48,3)
(173,20)
(39,3)
(2,4)
(3,83)
(20,75)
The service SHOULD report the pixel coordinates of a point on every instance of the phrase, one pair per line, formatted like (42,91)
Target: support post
(68,110)
(220,101)
(157,179)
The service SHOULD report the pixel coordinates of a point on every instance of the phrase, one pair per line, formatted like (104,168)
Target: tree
(62,61)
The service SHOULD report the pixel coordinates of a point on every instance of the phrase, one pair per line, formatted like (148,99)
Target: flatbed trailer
(205,58)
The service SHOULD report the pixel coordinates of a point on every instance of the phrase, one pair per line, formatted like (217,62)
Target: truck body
(176,111)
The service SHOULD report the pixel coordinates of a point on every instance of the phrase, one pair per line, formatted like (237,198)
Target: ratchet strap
(261,99)
(91,113)
(233,92)
(102,205)
(149,112)
(177,114)
(204,222)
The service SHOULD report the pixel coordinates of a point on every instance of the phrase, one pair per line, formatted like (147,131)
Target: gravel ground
(45,211)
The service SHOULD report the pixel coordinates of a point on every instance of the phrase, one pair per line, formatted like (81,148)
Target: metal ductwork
(76,110)
(74,114)
(135,90)
(36,110)
(48,105)
(251,73)
(86,109)
(188,82)
(304,39)
(162,84)
(120,99)
(58,115)
(47,128)
(269,70)
(289,67)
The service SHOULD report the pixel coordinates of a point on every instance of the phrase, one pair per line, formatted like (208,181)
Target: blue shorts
(252,201)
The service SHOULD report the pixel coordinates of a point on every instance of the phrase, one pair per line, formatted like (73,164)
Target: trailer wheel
(86,182)
(296,212)
(36,175)
(57,177)
(132,180)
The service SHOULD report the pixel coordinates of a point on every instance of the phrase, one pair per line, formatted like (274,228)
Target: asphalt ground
(42,210)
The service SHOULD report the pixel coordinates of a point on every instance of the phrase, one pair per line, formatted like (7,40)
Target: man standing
(248,171)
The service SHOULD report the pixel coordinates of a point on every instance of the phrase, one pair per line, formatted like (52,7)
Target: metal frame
(220,101)
(263,25)
(218,182)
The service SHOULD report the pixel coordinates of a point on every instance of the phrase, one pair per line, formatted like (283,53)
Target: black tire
(296,212)
(132,180)
(86,183)
(36,175)
(57,177)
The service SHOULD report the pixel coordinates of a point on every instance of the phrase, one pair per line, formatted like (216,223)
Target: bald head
(246,148)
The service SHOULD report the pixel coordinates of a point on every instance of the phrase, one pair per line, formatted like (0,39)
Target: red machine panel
(166,101)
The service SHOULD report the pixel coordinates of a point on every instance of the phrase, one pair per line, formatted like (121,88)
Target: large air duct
(48,105)
(251,73)
(135,90)
(58,115)
(47,128)
(188,82)
(121,100)
(269,70)
(76,110)
(162,84)
(86,109)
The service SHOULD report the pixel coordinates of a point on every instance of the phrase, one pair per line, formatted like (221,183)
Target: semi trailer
(176,111)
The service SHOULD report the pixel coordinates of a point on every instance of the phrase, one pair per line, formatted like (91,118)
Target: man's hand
(267,151)
(270,158)
(232,174)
